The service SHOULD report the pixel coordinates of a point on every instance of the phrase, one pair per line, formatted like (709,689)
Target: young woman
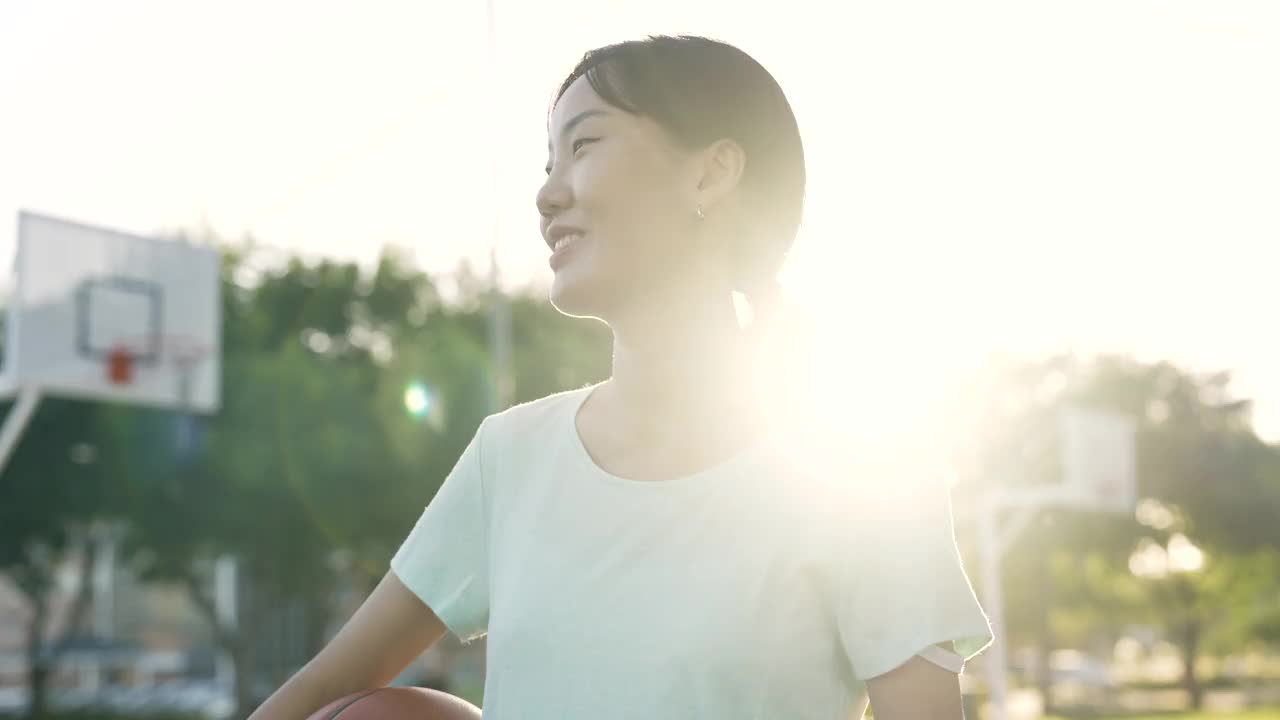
(674,542)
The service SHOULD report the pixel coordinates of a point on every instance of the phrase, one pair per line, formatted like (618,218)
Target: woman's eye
(577,145)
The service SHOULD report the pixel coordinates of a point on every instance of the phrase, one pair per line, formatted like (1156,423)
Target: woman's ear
(722,164)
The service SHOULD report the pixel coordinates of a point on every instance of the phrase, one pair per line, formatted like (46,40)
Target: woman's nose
(552,197)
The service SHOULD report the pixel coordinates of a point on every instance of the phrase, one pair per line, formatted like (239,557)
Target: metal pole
(499,313)
(500,332)
(16,422)
(993,589)
(226,613)
(107,536)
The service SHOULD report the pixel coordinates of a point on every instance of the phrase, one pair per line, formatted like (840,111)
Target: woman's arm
(390,629)
(916,690)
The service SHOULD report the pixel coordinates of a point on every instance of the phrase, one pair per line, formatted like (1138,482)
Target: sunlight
(881,374)
(883,409)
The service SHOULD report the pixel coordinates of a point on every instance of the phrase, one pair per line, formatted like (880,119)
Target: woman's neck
(681,376)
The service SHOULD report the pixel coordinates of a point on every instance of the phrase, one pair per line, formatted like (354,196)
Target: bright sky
(1008,176)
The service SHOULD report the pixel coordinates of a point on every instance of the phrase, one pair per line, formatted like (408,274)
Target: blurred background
(1014,209)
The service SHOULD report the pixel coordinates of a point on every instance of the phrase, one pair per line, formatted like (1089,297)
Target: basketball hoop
(181,354)
(99,314)
(119,364)
(1099,469)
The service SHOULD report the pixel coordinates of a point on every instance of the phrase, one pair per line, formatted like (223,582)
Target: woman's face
(628,197)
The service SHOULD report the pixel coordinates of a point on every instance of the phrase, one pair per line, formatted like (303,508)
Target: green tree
(54,495)
(313,452)
(1196,450)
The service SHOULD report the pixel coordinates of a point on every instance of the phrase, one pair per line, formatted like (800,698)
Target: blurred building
(139,635)
(149,637)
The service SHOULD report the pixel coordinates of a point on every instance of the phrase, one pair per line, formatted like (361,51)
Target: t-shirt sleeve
(445,558)
(902,588)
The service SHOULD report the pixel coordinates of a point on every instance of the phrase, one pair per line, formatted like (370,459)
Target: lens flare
(417,399)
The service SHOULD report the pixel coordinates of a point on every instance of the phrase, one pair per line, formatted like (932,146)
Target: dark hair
(700,91)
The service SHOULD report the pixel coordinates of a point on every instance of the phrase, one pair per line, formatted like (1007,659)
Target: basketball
(398,703)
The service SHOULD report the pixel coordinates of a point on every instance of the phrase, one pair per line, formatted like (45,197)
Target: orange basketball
(398,703)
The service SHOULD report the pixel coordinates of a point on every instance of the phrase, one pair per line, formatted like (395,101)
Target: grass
(1265,714)
(106,715)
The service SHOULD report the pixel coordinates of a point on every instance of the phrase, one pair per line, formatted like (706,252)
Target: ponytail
(766,302)
(780,333)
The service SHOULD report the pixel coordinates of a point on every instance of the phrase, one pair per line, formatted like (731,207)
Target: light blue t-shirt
(769,586)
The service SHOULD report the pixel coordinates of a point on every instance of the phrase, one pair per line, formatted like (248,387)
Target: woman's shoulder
(532,418)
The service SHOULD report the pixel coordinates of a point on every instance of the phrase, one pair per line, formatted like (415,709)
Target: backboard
(99,314)
(1099,464)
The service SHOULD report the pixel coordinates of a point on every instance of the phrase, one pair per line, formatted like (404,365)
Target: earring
(701,215)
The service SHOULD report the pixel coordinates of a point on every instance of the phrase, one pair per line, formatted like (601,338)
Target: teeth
(566,240)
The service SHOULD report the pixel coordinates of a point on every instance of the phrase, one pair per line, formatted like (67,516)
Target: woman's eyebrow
(569,126)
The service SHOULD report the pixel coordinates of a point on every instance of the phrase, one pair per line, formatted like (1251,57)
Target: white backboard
(1099,462)
(81,293)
